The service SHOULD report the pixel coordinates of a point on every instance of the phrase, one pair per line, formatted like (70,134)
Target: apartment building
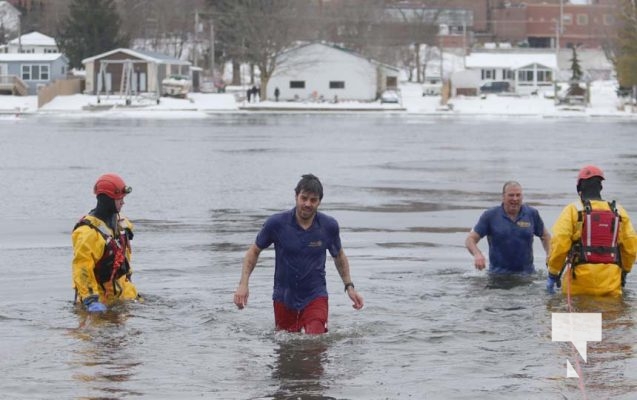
(532,23)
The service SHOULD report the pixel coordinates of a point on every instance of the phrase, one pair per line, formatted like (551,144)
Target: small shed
(325,72)
(25,73)
(148,70)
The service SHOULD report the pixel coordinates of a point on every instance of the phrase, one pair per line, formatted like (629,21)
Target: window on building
(488,74)
(35,72)
(582,19)
(609,20)
(544,76)
(297,84)
(337,84)
(525,75)
(567,19)
(507,75)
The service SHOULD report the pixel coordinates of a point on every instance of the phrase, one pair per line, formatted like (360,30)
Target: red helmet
(111,185)
(589,171)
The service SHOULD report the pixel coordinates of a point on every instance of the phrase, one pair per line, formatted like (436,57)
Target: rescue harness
(598,241)
(113,264)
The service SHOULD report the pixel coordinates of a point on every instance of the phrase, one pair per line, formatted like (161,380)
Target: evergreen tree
(91,27)
(576,69)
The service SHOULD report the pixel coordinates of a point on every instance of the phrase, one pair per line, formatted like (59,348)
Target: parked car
(495,87)
(176,86)
(390,96)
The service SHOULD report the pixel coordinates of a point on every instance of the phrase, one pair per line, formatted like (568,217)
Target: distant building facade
(530,23)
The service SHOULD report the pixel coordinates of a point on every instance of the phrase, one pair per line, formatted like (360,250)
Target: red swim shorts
(312,319)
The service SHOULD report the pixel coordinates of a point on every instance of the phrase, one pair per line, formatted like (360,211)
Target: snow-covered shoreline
(604,104)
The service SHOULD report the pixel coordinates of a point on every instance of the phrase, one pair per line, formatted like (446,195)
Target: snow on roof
(333,46)
(34,57)
(510,60)
(34,39)
(143,55)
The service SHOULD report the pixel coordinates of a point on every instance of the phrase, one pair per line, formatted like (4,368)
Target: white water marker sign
(578,328)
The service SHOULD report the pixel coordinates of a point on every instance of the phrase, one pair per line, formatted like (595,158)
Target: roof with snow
(34,39)
(510,60)
(142,55)
(334,46)
(31,57)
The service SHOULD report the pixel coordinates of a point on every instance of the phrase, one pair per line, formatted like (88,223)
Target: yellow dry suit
(586,276)
(101,260)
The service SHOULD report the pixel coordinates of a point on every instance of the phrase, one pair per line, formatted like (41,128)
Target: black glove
(624,273)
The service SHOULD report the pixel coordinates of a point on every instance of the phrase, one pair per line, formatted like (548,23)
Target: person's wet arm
(342,266)
(471,243)
(546,242)
(86,249)
(249,262)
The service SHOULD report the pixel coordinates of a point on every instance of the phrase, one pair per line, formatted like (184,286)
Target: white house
(319,71)
(525,71)
(34,42)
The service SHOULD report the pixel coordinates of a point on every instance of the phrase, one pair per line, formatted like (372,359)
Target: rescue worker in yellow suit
(101,249)
(596,238)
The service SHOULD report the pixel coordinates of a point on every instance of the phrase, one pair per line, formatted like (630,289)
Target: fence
(63,87)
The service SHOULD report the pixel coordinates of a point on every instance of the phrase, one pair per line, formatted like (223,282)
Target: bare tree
(166,26)
(626,48)
(420,27)
(258,31)
(354,24)
(43,16)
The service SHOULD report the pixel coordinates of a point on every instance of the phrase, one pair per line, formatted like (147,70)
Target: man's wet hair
(509,183)
(309,183)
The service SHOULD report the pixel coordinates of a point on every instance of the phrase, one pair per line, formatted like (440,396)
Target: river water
(405,189)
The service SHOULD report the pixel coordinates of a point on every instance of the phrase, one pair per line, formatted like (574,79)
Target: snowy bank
(604,103)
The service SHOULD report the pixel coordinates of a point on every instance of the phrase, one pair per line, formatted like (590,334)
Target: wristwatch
(349,284)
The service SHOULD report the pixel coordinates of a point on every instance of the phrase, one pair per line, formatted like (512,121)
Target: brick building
(533,23)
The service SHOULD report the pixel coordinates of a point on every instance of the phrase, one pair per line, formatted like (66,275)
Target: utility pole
(443,100)
(212,49)
(194,46)
(464,43)
(20,33)
(558,33)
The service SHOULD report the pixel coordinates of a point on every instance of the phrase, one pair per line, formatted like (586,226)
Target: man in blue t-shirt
(509,229)
(301,237)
